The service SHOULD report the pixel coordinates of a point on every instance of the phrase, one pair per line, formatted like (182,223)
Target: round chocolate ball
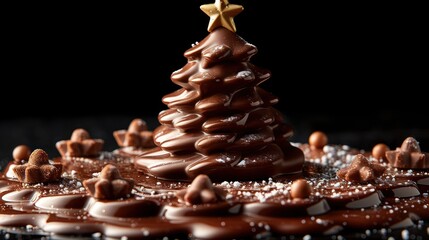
(379,151)
(21,152)
(300,189)
(318,140)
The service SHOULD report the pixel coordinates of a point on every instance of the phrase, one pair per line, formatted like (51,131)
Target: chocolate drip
(221,123)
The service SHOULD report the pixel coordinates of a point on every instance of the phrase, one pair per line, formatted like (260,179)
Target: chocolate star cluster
(408,156)
(109,184)
(38,169)
(361,170)
(136,136)
(201,191)
(80,145)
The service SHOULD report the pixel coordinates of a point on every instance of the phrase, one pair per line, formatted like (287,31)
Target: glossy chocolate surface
(399,198)
(221,123)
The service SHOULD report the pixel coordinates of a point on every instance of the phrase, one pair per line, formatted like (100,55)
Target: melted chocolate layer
(252,209)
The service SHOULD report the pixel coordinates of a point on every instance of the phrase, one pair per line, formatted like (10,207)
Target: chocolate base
(252,209)
(260,164)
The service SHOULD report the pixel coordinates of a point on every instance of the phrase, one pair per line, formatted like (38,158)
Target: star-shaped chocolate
(408,156)
(361,170)
(38,169)
(201,191)
(136,136)
(80,145)
(221,14)
(109,184)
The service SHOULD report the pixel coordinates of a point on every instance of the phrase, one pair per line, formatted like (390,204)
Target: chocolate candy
(80,145)
(201,191)
(300,189)
(21,152)
(137,135)
(409,156)
(361,170)
(110,184)
(318,140)
(379,151)
(38,169)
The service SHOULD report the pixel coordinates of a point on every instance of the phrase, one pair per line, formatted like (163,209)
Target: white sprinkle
(246,75)
(405,234)
(306,237)
(225,184)
(29,227)
(6,236)
(145,233)
(267,227)
(391,238)
(96,235)
(327,149)
(236,184)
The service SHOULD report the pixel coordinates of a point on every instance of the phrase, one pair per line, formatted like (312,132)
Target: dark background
(352,70)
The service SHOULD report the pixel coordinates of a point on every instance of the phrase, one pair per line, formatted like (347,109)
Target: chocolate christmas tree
(221,123)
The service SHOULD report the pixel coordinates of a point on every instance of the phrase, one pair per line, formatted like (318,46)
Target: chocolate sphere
(379,151)
(300,189)
(21,152)
(318,140)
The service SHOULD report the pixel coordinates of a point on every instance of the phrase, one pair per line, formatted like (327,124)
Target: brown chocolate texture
(21,154)
(408,156)
(38,169)
(80,145)
(314,204)
(201,191)
(109,185)
(361,170)
(136,136)
(221,123)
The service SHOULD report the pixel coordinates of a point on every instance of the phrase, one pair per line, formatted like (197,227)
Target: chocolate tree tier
(221,123)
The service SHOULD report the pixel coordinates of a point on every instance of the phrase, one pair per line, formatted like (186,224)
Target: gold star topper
(221,14)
